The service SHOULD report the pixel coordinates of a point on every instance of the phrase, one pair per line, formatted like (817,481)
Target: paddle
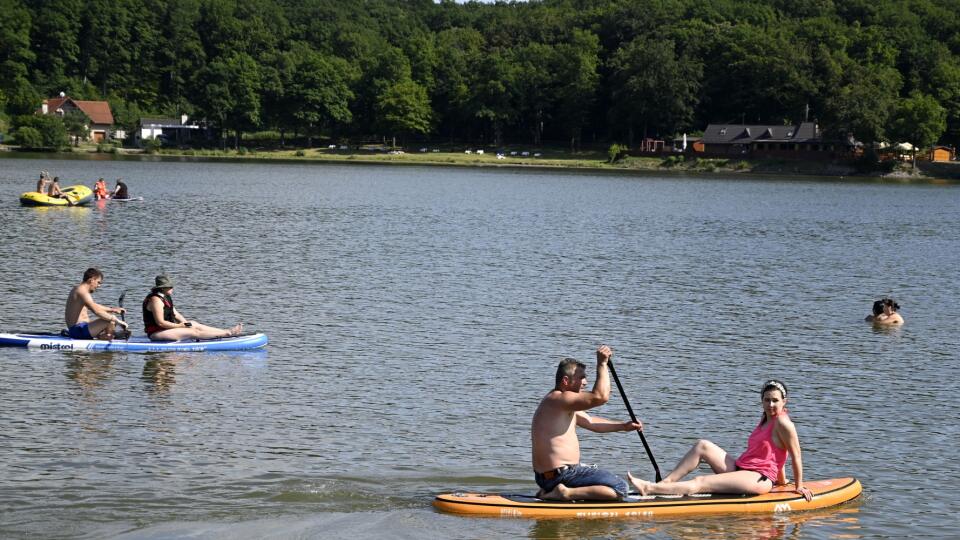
(633,417)
(123,315)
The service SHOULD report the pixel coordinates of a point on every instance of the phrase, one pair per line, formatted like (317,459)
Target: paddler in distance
(79,325)
(556,449)
(120,192)
(755,472)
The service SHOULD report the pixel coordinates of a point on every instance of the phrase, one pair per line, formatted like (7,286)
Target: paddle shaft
(123,315)
(613,372)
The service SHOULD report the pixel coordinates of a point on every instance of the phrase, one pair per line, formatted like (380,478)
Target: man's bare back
(77,300)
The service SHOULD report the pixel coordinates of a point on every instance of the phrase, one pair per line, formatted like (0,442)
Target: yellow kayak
(75,196)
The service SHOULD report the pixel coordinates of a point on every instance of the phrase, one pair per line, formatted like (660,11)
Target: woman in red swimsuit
(755,471)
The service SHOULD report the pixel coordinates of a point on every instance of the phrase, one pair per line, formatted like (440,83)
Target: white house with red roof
(98,112)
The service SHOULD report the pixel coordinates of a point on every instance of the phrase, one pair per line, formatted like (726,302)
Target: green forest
(564,72)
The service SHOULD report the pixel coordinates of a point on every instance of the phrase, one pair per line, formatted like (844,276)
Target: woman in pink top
(755,471)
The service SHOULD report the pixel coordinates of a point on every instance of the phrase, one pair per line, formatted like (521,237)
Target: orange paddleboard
(781,499)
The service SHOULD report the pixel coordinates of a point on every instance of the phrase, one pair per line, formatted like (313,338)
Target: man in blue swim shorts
(80,331)
(556,448)
(80,300)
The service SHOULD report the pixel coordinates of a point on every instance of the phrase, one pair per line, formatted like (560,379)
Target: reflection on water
(89,371)
(159,371)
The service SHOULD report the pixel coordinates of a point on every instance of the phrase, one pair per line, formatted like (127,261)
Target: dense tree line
(576,71)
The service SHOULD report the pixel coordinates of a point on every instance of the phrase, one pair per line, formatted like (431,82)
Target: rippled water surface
(416,317)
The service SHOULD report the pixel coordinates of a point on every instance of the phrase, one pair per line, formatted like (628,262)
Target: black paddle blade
(123,316)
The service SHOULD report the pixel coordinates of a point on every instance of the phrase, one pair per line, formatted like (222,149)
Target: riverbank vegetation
(570,73)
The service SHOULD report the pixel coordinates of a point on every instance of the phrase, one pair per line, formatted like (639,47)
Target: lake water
(416,317)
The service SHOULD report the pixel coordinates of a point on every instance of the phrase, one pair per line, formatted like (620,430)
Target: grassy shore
(549,158)
(545,158)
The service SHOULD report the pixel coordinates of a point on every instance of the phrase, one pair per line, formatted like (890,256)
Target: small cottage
(97,112)
(941,153)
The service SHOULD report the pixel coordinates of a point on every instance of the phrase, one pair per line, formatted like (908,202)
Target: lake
(416,317)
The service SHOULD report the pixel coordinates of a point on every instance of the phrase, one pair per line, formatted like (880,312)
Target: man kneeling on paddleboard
(79,325)
(556,449)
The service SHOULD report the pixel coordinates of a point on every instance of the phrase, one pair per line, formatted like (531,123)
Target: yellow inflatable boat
(75,196)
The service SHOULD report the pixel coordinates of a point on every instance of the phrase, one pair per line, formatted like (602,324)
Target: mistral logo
(782,507)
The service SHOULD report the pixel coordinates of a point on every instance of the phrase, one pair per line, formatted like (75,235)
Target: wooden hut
(941,153)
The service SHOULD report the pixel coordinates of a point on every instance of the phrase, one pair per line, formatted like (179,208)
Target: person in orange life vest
(100,189)
(755,472)
(163,322)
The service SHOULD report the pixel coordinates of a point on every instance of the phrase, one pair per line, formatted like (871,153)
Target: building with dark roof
(799,141)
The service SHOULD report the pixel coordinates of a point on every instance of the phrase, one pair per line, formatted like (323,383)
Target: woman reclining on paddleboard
(163,322)
(755,471)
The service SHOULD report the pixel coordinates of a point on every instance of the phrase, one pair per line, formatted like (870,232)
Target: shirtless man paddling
(80,300)
(556,449)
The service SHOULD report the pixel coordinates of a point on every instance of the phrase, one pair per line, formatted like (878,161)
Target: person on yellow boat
(755,472)
(100,190)
(42,183)
(57,193)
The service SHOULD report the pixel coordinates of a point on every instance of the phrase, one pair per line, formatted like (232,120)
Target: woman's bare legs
(726,477)
(196,331)
(730,482)
(704,451)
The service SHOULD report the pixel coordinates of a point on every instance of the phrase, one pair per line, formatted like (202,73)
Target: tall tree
(16,56)
(230,93)
(576,64)
(318,94)
(919,120)
(861,106)
(55,39)
(404,109)
(654,89)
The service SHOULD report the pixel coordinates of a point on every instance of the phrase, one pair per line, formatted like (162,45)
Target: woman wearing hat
(163,322)
(756,471)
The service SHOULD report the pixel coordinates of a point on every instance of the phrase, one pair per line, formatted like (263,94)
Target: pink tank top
(762,455)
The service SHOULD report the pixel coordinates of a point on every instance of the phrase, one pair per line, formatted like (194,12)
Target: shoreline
(548,161)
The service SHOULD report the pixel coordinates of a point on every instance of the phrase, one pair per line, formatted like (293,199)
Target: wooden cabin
(941,153)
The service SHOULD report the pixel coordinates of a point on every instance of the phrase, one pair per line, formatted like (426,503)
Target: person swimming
(888,312)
